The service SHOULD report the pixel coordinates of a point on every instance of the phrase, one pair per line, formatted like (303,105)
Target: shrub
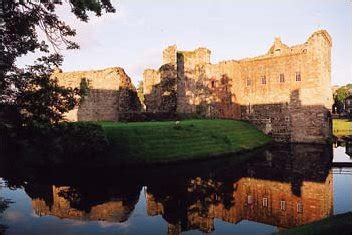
(63,143)
(82,139)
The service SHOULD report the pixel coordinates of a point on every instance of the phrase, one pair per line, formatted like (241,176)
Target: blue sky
(134,37)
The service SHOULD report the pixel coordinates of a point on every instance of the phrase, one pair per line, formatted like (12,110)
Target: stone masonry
(108,93)
(286,92)
(279,191)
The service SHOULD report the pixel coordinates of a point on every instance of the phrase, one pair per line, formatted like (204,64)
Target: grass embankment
(338,224)
(155,142)
(342,127)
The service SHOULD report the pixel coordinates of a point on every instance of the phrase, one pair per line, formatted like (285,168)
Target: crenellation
(287,81)
(169,55)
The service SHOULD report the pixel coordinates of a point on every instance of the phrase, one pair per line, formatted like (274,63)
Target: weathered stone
(109,92)
(111,211)
(286,92)
(287,196)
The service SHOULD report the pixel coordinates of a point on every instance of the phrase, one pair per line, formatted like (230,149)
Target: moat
(281,188)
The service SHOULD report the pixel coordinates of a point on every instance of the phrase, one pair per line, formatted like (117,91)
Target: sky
(133,38)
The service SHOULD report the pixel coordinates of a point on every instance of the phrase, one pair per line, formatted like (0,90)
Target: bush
(82,139)
(62,143)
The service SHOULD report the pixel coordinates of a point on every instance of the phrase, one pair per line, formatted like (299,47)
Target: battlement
(200,55)
(169,55)
(290,82)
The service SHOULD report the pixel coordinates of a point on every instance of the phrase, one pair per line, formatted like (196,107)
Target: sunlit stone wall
(108,92)
(63,199)
(259,200)
(286,92)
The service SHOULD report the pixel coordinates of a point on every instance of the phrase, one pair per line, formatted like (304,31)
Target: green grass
(154,142)
(338,224)
(342,127)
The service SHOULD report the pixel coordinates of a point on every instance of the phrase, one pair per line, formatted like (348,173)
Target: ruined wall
(291,110)
(277,191)
(107,92)
(159,89)
(260,200)
(63,207)
(285,92)
(190,82)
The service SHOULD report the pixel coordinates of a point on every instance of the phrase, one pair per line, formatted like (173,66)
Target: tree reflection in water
(284,186)
(4,204)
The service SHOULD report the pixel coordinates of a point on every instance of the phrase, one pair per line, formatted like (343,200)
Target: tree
(39,96)
(30,89)
(341,93)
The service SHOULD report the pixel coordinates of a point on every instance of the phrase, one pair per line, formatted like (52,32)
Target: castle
(275,189)
(286,92)
(106,93)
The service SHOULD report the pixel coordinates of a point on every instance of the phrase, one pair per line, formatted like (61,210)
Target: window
(282,205)
(212,84)
(249,199)
(282,77)
(298,76)
(263,80)
(265,202)
(224,80)
(299,207)
(249,82)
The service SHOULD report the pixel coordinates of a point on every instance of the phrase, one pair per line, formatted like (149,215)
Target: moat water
(282,187)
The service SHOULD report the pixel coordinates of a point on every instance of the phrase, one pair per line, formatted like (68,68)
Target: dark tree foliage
(341,93)
(38,97)
(338,106)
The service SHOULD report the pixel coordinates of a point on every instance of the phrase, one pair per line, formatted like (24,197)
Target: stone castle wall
(108,92)
(285,92)
(61,207)
(279,191)
(274,189)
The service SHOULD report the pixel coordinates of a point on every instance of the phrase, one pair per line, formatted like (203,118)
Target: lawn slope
(190,139)
(342,127)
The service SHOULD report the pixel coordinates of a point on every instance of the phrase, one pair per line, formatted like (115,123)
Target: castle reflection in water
(285,186)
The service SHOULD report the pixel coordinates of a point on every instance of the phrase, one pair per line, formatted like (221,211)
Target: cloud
(87,32)
(149,59)
(105,224)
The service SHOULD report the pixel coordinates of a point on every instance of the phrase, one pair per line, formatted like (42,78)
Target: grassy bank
(338,224)
(342,127)
(153,142)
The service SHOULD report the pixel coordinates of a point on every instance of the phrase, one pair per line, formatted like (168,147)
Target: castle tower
(286,92)
(169,55)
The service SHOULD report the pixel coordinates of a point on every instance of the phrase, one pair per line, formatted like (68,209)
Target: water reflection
(286,189)
(73,203)
(284,186)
